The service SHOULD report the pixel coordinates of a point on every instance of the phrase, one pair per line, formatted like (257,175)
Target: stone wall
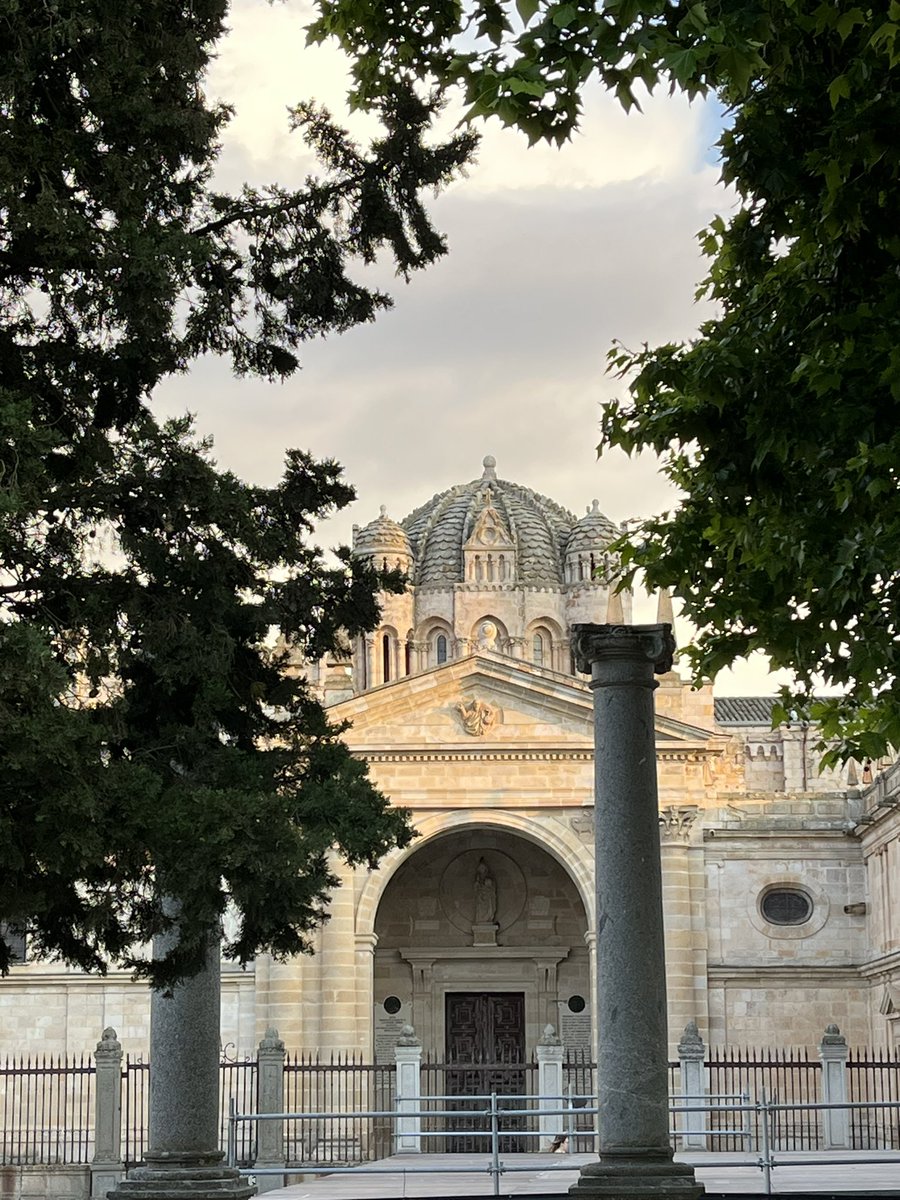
(45,1183)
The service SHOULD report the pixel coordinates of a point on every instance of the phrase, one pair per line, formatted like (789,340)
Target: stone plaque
(575,1030)
(387,1030)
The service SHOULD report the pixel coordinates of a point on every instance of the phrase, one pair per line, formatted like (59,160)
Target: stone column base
(187,1176)
(638,1178)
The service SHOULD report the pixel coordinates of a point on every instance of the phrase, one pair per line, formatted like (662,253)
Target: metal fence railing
(47,1105)
(342,1084)
(874,1076)
(46,1111)
(787,1076)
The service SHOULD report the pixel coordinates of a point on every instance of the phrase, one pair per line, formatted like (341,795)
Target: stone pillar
(550,1087)
(270,1099)
(632,1059)
(370,661)
(107,1167)
(184,1156)
(691,1056)
(835,1121)
(408,1057)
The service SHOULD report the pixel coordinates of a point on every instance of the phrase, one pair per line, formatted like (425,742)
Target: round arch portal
(481,914)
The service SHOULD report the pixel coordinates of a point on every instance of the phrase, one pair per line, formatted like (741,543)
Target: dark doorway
(485,1045)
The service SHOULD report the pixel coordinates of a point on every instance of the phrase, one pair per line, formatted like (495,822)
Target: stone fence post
(107,1168)
(550,1087)
(408,1057)
(835,1121)
(691,1056)
(270,1092)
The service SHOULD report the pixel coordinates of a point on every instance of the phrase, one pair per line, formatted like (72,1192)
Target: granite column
(184,1159)
(632,1055)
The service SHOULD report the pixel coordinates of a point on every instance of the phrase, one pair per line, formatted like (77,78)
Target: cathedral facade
(780,882)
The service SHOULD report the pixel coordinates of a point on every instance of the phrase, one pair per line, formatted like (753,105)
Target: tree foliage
(152,743)
(780,422)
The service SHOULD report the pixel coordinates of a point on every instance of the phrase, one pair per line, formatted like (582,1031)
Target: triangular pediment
(487,700)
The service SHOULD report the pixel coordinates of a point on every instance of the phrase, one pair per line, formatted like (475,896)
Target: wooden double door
(485,1053)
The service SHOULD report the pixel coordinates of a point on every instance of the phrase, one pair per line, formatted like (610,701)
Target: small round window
(786,906)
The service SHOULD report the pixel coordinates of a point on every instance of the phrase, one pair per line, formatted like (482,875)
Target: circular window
(786,906)
(576,1004)
(392,1005)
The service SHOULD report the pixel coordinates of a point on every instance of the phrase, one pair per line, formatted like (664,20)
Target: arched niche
(478,909)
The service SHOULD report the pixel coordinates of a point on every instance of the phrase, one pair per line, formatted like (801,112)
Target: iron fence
(135,1109)
(237,1081)
(579,1075)
(342,1084)
(46,1111)
(874,1076)
(787,1077)
(47,1104)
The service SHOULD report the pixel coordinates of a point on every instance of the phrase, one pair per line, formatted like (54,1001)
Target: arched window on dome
(385,658)
(440,649)
(537,649)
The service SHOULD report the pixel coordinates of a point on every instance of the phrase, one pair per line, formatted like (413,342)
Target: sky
(499,348)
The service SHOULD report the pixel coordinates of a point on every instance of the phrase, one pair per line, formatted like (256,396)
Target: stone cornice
(694,754)
(773,975)
(885,964)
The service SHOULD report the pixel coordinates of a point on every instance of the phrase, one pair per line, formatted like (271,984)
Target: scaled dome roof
(593,531)
(539,528)
(381,536)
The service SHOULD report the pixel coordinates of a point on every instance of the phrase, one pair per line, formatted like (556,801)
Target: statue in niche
(477,717)
(485,894)
(487,635)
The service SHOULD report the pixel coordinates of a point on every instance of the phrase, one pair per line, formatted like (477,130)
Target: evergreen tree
(152,743)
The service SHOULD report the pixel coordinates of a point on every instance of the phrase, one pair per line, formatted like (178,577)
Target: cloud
(500,348)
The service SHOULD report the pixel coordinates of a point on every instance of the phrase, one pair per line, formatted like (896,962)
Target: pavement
(843,1174)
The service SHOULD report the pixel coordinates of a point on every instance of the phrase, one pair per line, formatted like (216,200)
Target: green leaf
(527,9)
(839,89)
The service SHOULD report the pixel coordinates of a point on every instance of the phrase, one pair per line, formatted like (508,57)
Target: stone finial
(271,1041)
(852,774)
(615,613)
(549,1037)
(691,1044)
(109,1043)
(833,1036)
(665,614)
(408,1037)
(489,463)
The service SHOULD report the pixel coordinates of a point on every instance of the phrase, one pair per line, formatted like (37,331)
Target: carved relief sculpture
(477,716)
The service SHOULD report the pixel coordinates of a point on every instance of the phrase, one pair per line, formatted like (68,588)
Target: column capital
(636,643)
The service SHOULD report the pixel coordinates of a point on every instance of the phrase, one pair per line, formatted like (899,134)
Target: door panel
(485,1042)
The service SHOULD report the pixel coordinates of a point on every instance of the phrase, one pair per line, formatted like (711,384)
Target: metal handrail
(765,1161)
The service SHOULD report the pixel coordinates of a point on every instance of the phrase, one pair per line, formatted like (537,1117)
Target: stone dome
(383,539)
(536,529)
(593,531)
(587,560)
